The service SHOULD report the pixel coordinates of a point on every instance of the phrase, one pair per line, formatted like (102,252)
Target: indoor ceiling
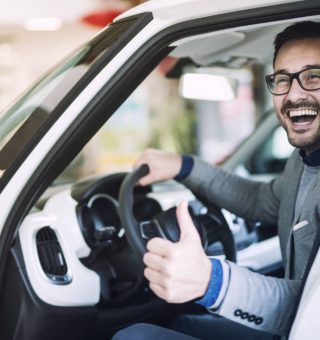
(36,34)
(15,12)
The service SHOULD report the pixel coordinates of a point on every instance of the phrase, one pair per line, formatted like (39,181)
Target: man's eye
(311,75)
(282,80)
(314,76)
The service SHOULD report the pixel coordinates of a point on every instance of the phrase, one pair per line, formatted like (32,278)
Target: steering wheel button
(149,230)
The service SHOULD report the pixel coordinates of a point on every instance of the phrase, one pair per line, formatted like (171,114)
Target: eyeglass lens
(308,79)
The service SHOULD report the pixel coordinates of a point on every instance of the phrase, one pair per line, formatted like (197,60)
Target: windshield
(20,124)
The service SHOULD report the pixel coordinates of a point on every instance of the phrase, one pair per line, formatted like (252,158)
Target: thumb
(187,227)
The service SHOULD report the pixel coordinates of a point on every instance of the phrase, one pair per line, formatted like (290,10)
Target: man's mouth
(302,116)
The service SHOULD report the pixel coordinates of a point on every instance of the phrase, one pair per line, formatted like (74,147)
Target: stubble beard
(298,138)
(300,141)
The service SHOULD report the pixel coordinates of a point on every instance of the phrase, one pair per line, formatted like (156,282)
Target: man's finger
(187,227)
(158,290)
(159,246)
(154,261)
(154,276)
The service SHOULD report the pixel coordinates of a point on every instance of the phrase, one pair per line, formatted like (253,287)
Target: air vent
(51,256)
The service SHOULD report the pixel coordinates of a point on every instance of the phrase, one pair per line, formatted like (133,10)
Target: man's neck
(311,148)
(311,158)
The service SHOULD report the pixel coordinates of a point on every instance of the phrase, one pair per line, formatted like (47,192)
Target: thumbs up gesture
(178,272)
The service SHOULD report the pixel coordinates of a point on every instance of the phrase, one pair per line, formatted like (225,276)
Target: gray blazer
(253,299)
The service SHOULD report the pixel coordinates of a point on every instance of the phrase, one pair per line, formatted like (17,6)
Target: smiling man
(180,272)
(295,86)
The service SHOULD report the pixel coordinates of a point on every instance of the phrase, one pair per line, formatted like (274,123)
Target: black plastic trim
(25,316)
(51,257)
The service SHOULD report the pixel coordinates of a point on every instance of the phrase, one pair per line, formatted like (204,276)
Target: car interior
(75,269)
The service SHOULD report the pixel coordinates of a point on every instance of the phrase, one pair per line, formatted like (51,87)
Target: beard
(299,137)
(302,105)
(311,142)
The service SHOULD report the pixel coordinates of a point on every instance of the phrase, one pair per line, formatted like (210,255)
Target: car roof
(228,48)
(232,48)
(187,9)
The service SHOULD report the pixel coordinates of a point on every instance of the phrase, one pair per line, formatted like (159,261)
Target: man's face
(296,109)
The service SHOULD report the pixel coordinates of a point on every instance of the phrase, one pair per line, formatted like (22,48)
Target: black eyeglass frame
(292,76)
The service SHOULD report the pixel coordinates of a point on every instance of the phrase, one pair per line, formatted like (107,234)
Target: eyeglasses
(280,83)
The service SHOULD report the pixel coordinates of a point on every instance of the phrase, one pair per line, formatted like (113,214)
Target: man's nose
(296,92)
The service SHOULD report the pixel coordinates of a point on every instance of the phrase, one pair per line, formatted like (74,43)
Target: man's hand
(163,165)
(178,272)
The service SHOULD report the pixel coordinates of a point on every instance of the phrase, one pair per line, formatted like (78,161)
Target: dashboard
(75,249)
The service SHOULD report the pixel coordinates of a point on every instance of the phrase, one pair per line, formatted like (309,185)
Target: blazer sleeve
(258,301)
(252,200)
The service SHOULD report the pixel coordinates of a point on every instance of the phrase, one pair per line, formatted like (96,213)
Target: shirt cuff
(224,286)
(186,167)
(215,284)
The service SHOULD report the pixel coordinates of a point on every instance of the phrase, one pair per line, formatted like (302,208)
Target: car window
(272,154)
(207,128)
(21,123)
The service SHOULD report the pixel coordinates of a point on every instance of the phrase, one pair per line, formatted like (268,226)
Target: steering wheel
(165,224)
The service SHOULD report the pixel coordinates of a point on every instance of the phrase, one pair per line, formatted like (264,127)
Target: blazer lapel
(290,200)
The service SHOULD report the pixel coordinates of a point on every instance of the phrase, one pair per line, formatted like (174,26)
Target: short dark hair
(298,31)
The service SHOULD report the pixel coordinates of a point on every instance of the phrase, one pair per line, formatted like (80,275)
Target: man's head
(297,94)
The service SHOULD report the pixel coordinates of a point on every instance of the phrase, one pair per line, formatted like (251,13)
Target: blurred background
(36,34)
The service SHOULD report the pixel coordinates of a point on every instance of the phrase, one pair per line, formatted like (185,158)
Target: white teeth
(298,113)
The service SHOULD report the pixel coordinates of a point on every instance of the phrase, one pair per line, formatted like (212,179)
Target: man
(180,272)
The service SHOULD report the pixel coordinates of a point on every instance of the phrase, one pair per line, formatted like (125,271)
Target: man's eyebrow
(311,66)
(282,70)
(305,67)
